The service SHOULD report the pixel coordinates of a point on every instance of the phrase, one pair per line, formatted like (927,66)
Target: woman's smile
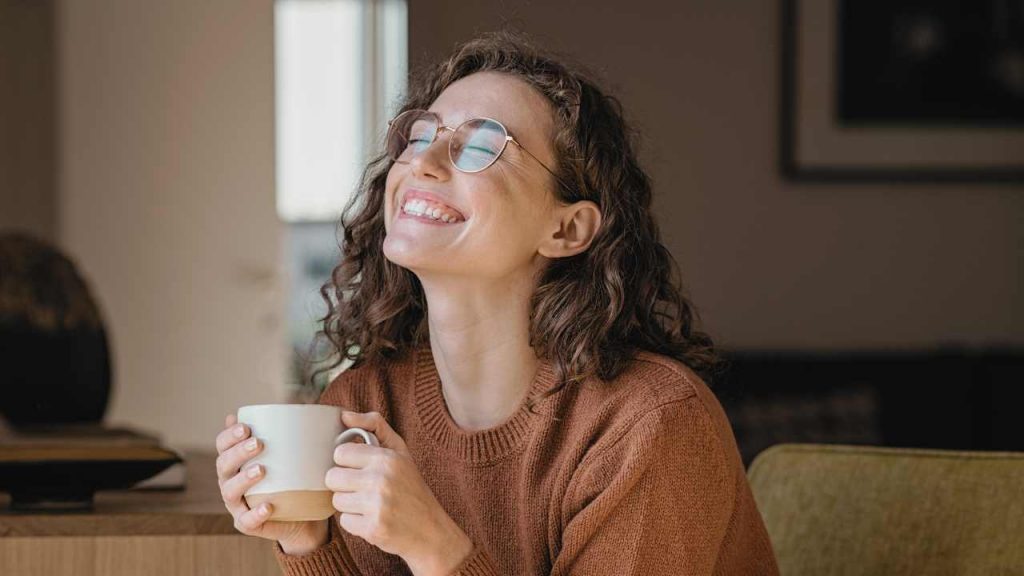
(427,218)
(429,208)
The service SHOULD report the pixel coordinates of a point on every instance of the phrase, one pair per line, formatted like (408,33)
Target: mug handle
(352,433)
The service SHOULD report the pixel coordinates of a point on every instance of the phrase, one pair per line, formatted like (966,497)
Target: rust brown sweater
(640,476)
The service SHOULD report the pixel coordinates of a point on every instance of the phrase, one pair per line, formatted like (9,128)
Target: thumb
(374,422)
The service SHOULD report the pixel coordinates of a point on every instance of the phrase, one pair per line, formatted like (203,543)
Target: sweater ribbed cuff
(321,562)
(324,561)
(476,564)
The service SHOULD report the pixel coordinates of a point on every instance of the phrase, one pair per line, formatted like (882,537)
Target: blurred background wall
(27,118)
(769,263)
(161,116)
(164,196)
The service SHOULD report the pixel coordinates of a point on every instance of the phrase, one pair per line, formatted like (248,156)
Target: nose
(433,162)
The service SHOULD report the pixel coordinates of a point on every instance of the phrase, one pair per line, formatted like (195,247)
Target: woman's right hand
(234,449)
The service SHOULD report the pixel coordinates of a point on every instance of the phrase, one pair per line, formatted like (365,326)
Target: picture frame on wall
(902,91)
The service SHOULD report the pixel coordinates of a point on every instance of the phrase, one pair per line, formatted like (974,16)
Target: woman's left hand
(384,500)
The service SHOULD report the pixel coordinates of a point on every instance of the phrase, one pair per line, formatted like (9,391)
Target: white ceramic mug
(298,450)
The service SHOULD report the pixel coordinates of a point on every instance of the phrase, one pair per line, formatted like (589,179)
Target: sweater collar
(476,446)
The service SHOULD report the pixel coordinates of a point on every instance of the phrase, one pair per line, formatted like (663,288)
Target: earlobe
(578,225)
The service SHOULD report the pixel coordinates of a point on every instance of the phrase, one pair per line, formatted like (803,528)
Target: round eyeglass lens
(476,144)
(411,133)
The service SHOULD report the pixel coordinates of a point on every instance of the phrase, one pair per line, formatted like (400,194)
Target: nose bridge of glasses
(441,129)
(427,151)
(447,148)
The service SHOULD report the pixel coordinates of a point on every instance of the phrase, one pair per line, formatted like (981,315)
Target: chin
(404,253)
(418,260)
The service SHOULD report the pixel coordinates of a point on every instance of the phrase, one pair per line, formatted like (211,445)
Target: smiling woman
(521,348)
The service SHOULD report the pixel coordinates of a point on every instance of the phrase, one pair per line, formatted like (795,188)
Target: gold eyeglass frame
(440,127)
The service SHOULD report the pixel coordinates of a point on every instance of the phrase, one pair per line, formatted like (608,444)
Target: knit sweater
(640,475)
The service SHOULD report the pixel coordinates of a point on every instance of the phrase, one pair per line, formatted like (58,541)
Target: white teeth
(419,207)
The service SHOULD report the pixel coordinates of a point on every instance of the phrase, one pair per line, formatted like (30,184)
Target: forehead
(505,98)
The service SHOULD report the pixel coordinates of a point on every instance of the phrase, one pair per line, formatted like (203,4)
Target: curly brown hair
(590,312)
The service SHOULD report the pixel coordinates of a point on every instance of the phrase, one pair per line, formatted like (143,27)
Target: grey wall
(770,263)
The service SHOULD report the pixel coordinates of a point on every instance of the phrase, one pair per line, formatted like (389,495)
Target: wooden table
(136,532)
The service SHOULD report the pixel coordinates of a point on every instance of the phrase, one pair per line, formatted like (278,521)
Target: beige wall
(27,151)
(769,263)
(167,202)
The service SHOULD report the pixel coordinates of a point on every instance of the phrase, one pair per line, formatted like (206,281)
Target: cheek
(389,194)
(515,228)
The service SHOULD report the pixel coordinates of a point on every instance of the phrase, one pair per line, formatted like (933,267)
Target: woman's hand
(383,499)
(234,450)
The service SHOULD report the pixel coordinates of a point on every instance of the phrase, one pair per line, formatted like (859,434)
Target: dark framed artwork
(905,90)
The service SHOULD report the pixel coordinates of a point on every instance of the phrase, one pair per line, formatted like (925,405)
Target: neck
(479,337)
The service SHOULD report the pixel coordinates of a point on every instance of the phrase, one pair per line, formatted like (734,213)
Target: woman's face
(505,210)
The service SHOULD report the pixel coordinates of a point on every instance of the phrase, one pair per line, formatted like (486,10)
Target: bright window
(341,67)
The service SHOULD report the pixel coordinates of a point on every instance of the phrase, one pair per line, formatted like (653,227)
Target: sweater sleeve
(331,559)
(656,501)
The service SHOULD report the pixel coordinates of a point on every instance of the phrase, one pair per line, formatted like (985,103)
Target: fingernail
(264,509)
(239,432)
(251,444)
(253,471)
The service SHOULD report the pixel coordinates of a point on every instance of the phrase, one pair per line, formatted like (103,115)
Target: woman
(520,349)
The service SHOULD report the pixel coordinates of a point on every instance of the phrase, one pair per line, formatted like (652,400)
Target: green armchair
(852,510)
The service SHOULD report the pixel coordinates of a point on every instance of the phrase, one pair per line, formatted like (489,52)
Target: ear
(575,227)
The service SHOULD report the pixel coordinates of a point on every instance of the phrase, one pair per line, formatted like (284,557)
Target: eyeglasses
(475,144)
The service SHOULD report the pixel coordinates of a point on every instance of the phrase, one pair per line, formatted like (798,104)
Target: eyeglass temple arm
(545,166)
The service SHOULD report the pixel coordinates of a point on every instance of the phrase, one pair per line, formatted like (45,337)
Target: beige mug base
(295,505)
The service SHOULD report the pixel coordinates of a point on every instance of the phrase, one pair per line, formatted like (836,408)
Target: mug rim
(281,405)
